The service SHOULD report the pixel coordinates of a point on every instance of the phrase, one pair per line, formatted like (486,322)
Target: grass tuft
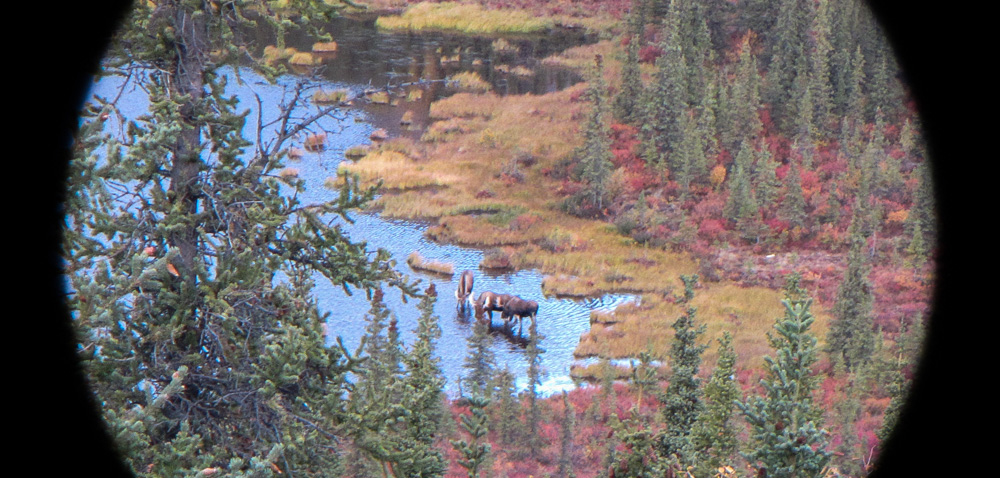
(464,18)
(419,263)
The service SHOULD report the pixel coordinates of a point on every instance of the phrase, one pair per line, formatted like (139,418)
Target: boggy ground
(486,173)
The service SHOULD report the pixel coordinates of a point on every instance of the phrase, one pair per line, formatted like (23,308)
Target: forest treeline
(760,126)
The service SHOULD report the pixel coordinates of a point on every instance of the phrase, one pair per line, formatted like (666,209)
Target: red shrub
(649,53)
(709,229)
(777,225)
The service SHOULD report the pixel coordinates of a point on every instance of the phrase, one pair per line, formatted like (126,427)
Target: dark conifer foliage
(201,358)
(682,401)
(787,432)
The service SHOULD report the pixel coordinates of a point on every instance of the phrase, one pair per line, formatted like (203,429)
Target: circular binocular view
(495,238)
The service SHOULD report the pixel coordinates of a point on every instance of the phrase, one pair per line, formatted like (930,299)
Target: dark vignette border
(61,418)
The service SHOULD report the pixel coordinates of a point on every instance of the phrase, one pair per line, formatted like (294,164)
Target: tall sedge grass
(464,18)
(396,170)
(470,81)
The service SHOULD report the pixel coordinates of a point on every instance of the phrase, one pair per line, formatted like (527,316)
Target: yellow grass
(379,97)
(464,18)
(329,97)
(356,152)
(324,47)
(470,81)
(396,170)
(458,182)
(304,58)
(419,263)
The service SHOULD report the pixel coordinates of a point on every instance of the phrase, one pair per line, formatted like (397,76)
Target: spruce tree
(820,86)
(476,451)
(713,436)
(667,96)
(480,362)
(507,417)
(765,179)
(639,458)
(627,107)
(423,396)
(787,433)
(793,203)
(565,469)
(534,414)
(191,273)
(851,338)
(909,343)
(593,158)
(682,401)
(745,101)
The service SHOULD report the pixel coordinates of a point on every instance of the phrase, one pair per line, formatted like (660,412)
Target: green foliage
(396,407)
(533,351)
(176,235)
(480,362)
(713,436)
(793,203)
(786,430)
(565,469)
(627,107)
(682,403)
(639,458)
(592,159)
(476,425)
(851,337)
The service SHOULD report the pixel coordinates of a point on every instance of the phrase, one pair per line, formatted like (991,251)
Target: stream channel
(370,59)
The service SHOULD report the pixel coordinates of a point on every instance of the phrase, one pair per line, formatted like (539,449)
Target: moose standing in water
(489,302)
(520,308)
(463,293)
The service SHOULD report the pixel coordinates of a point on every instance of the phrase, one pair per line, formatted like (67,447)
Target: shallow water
(367,58)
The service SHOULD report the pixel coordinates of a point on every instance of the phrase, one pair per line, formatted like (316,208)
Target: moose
(520,308)
(463,293)
(489,302)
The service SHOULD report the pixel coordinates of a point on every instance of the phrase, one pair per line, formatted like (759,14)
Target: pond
(368,59)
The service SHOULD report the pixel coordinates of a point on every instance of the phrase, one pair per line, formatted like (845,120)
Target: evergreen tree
(423,396)
(667,97)
(741,205)
(476,425)
(393,414)
(202,355)
(793,203)
(787,48)
(690,164)
(534,352)
(713,436)
(786,430)
(765,180)
(682,401)
(820,86)
(627,106)
(481,362)
(908,346)
(851,338)
(565,469)
(508,425)
(844,18)
(745,101)
(921,222)
(593,158)
(639,458)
